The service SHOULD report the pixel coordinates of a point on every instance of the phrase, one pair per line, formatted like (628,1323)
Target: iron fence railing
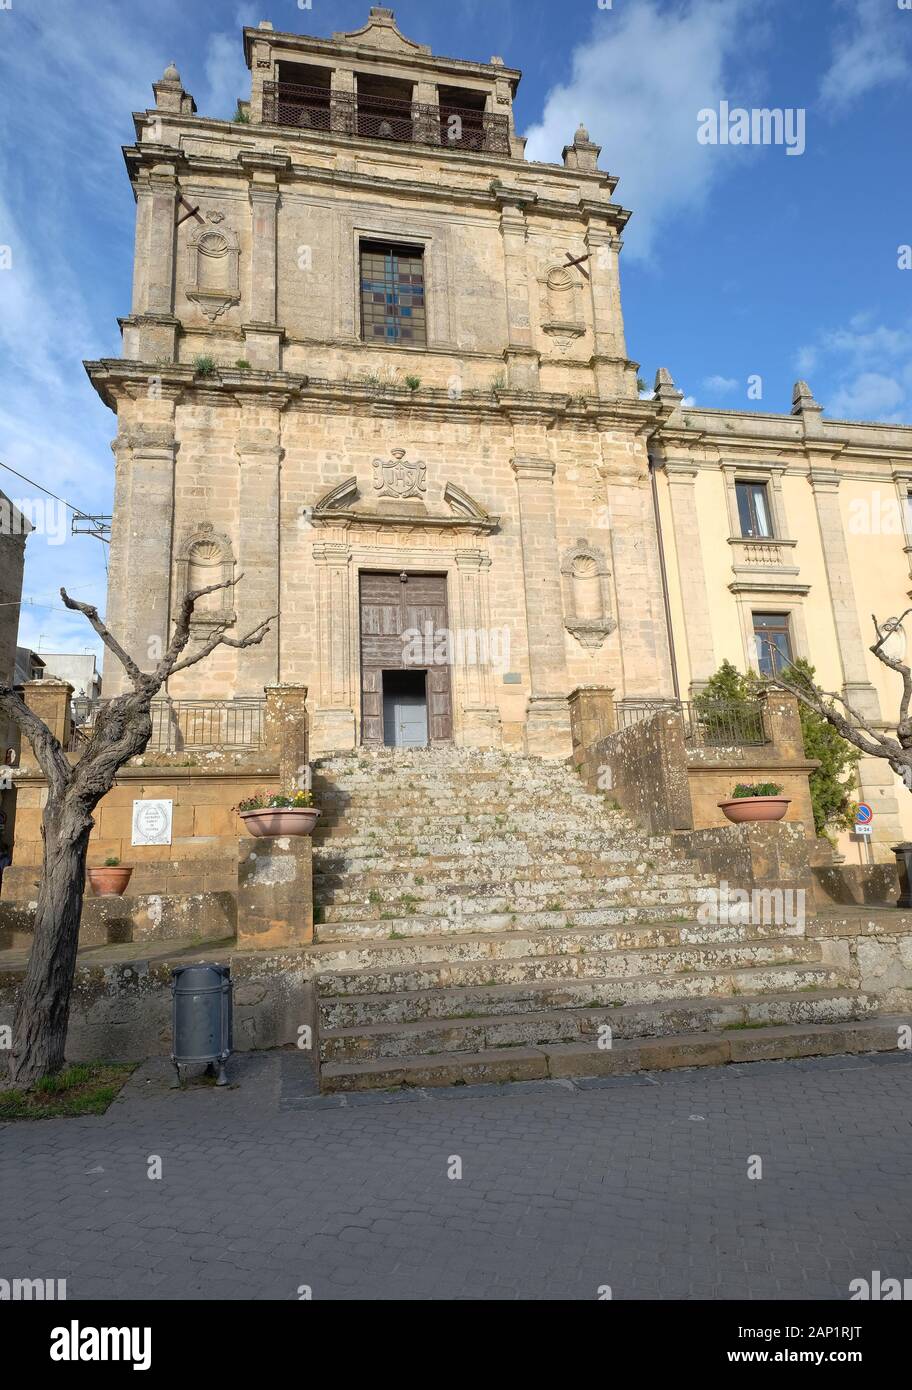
(723,724)
(384,118)
(628,712)
(707,723)
(184,724)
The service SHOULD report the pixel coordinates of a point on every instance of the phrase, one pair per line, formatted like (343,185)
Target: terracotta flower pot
(280,820)
(110,880)
(753,808)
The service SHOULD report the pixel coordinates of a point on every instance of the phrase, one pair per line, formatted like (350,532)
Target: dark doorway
(405,709)
(402,615)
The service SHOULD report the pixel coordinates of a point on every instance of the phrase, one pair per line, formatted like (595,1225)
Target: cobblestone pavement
(637,1183)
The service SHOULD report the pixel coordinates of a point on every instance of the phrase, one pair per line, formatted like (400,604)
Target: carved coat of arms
(395,478)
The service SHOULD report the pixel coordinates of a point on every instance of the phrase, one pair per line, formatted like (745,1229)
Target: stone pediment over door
(399,497)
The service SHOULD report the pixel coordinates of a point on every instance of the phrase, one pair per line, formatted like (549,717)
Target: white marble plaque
(152,822)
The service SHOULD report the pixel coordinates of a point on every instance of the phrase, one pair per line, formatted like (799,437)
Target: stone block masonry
(274,892)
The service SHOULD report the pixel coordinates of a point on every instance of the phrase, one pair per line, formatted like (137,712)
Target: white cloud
(871,49)
(638,85)
(63,191)
(721,385)
(806,360)
(864,371)
(869,396)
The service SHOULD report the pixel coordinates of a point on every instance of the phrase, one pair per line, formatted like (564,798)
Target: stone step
(477,903)
(549,994)
(528,942)
(561,1060)
(427,843)
(349,929)
(609,969)
(339,888)
(378,861)
(433,1036)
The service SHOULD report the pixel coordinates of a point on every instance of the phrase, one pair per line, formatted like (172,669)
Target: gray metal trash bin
(201,1017)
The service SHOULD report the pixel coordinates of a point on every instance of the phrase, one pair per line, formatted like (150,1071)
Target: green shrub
(833,782)
(757,789)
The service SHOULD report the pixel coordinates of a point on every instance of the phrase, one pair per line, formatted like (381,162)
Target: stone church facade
(375,362)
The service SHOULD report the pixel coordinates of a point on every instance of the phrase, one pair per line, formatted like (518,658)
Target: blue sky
(739,260)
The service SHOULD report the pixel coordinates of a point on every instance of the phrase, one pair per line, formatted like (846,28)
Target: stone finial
(170,94)
(803,400)
(665,389)
(582,154)
(265,24)
(496,61)
(380,12)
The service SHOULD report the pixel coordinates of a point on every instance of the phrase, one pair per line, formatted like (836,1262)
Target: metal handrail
(707,723)
(385,118)
(183,724)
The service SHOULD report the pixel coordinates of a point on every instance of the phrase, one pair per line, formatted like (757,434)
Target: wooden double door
(405,692)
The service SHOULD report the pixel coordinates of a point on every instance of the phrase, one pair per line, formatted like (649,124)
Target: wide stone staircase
(481,916)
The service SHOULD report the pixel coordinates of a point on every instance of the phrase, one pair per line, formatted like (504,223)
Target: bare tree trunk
(122,731)
(43,1006)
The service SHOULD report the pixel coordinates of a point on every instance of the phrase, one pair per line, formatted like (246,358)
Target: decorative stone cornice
(533,470)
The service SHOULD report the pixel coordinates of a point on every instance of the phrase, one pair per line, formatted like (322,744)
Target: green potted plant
(755,801)
(111,879)
(279,813)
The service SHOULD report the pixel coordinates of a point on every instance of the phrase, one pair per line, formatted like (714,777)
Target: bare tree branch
(181,636)
(88,609)
(870,743)
(252,639)
(900,667)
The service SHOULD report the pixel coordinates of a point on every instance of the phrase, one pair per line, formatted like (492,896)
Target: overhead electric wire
(78,511)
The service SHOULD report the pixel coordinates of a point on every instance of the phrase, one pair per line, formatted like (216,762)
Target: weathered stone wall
(667,784)
(106,921)
(644,769)
(202,856)
(122,1011)
(874,951)
(274,892)
(762,855)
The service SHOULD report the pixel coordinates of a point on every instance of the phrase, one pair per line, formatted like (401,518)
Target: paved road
(637,1183)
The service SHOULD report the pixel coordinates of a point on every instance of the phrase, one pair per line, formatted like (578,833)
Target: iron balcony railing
(384,118)
(707,723)
(184,724)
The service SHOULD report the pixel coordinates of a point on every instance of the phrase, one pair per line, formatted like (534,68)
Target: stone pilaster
(259,452)
(480,716)
(50,700)
(426,120)
(547,715)
(682,496)
(262,333)
(520,355)
(859,690)
(875,777)
(637,575)
(615,374)
(592,718)
(274,892)
(150,333)
(342,108)
(286,731)
(141,550)
(334,716)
